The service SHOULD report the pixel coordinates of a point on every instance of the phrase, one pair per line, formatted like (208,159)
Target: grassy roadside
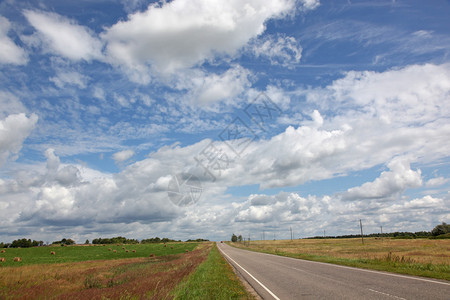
(393,258)
(213,279)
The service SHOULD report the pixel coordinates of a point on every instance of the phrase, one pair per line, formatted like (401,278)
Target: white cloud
(64,37)
(138,195)
(437,181)
(283,207)
(425,202)
(390,183)
(180,34)
(423,33)
(132,5)
(362,135)
(280,50)
(10,104)
(311,215)
(210,88)
(63,78)
(123,155)
(310,4)
(14,129)
(10,53)
(371,129)
(394,41)
(52,160)
(124,130)
(415,94)
(99,93)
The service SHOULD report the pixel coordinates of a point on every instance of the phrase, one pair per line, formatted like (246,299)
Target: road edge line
(253,277)
(412,277)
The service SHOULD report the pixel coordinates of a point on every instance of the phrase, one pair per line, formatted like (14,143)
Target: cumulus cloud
(413,94)
(52,160)
(61,36)
(390,183)
(123,155)
(66,175)
(311,215)
(180,34)
(14,129)
(210,88)
(10,53)
(359,137)
(362,135)
(371,129)
(283,207)
(71,195)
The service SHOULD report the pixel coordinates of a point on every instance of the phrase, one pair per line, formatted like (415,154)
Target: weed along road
(277,277)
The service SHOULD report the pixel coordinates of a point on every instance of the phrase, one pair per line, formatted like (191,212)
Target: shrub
(441,229)
(441,236)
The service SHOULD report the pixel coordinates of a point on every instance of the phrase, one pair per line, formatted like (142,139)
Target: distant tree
(123,240)
(151,240)
(87,242)
(25,243)
(240,238)
(441,229)
(422,233)
(197,240)
(157,240)
(64,242)
(37,243)
(234,238)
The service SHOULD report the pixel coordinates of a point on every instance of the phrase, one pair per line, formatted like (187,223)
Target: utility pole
(291,232)
(381,227)
(264,236)
(362,235)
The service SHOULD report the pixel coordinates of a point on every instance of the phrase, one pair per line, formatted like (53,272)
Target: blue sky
(302,114)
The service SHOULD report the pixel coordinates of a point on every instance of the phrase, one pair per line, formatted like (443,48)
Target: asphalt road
(277,277)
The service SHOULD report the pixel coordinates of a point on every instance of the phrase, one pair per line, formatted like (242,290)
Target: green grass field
(213,279)
(41,255)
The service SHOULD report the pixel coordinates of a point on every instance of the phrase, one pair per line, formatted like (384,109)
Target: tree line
(22,243)
(26,243)
(440,231)
(114,240)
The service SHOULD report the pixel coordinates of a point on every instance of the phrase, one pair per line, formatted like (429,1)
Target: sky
(204,118)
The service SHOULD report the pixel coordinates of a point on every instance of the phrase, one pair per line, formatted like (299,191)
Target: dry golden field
(425,257)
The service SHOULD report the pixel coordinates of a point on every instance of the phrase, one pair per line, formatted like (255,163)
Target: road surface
(278,277)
